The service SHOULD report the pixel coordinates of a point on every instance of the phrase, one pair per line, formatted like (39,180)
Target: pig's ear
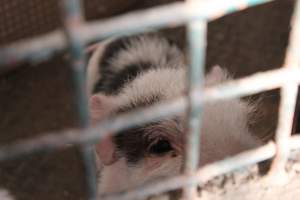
(216,75)
(106,151)
(99,107)
(90,49)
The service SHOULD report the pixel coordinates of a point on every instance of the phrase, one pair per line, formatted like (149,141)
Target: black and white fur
(131,72)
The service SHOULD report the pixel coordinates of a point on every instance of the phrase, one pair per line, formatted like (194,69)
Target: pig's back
(117,62)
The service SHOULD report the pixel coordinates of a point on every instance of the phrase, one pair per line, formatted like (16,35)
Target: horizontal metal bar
(42,47)
(236,88)
(169,15)
(214,9)
(249,85)
(205,173)
(33,50)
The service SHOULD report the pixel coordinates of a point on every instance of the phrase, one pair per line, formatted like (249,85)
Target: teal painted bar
(197,49)
(249,3)
(195,77)
(72,19)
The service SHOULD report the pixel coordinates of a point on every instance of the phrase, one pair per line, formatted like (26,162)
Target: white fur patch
(168,83)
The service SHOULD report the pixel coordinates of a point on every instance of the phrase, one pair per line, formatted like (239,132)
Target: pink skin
(105,149)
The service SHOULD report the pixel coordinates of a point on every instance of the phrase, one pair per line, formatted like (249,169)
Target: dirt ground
(37,99)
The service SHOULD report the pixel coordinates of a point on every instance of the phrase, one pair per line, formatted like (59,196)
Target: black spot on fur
(113,49)
(134,143)
(112,80)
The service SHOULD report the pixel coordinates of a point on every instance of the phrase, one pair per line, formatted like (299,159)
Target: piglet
(136,71)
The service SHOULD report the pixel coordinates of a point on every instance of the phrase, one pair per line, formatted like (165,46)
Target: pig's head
(146,152)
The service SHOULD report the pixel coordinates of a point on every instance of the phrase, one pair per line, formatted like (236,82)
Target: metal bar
(197,51)
(43,47)
(210,10)
(243,159)
(127,24)
(205,173)
(292,58)
(197,42)
(288,102)
(33,50)
(169,15)
(72,18)
(246,86)
(283,132)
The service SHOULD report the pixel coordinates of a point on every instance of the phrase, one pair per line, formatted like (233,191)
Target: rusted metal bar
(43,47)
(205,173)
(246,86)
(72,18)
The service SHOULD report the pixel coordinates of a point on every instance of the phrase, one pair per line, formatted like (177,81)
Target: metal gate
(196,13)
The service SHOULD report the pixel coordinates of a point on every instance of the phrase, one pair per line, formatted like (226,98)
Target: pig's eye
(160,147)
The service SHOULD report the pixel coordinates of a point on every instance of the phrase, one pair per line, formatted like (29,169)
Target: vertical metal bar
(288,102)
(283,132)
(197,42)
(71,10)
(197,45)
(292,58)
